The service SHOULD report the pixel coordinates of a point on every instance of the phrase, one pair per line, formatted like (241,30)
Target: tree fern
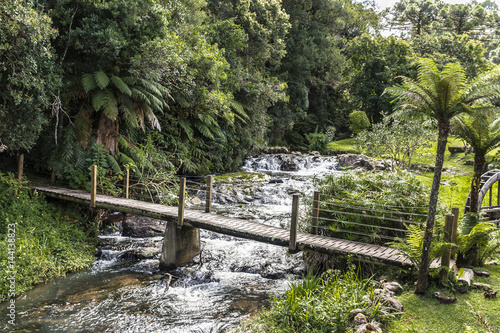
(186,126)
(110,108)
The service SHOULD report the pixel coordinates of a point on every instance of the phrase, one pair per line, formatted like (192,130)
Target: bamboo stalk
(93,186)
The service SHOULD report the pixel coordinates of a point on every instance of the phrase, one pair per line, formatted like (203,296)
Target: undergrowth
(49,242)
(320,304)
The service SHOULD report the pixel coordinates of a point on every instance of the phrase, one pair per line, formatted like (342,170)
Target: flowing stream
(231,280)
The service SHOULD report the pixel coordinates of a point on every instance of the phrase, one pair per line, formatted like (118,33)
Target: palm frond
(88,82)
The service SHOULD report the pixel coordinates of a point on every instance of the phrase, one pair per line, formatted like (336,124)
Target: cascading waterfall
(231,279)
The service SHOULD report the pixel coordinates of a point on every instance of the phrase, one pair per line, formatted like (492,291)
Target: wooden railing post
(455,211)
(20,166)
(93,186)
(315,213)
(445,258)
(208,198)
(182,196)
(127,183)
(293,227)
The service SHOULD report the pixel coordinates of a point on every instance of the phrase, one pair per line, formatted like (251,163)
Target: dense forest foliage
(194,86)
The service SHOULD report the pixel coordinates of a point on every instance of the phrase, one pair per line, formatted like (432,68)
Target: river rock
(112,223)
(490,294)
(394,287)
(140,226)
(444,299)
(360,319)
(481,273)
(372,327)
(145,253)
(481,286)
(356,161)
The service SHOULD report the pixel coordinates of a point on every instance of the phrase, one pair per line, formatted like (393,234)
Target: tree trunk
(107,134)
(479,162)
(423,272)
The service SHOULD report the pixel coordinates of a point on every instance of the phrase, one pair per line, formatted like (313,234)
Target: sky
(389,3)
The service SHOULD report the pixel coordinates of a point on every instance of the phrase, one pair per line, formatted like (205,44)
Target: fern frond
(205,130)
(101,79)
(186,126)
(113,164)
(122,86)
(88,82)
(110,108)
(98,100)
(82,128)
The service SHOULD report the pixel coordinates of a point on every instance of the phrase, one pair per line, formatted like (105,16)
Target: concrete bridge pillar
(180,245)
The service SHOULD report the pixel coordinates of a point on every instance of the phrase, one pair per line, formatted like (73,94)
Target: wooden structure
(492,210)
(296,241)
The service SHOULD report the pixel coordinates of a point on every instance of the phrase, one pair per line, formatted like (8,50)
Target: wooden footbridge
(296,241)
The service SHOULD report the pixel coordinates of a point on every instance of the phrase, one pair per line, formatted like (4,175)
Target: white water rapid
(232,278)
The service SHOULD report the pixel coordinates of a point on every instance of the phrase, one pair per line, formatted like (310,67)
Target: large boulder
(356,161)
(140,226)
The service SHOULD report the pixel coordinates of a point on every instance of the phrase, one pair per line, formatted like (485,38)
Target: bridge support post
(93,186)
(180,245)
(315,213)
(293,227)
(208,199)
(445,259)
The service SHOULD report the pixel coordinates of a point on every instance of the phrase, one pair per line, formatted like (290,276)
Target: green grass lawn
(426,314)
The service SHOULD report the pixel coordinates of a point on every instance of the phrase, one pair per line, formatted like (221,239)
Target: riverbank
(472,312)
(40,240)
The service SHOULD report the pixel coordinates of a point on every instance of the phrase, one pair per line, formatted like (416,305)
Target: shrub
(48,244)
(319,304)
(359,121)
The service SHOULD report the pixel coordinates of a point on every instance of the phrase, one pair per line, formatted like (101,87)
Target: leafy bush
(48,243)
(359,121)
(478,241)
(318,141)
(371,207)
(319,304)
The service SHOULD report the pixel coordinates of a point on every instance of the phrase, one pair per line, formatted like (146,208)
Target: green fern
(88,82)
(113,164)
(122,86)
(101,79)
(186,126)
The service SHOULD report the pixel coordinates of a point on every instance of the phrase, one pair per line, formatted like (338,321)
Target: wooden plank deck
(236,227)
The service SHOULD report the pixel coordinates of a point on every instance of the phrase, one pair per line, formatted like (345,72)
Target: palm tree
(483,135)
(442,95)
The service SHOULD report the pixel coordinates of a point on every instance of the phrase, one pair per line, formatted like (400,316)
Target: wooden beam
(182,202)
(208,193)
(292,248)
(93,186)
(315,213)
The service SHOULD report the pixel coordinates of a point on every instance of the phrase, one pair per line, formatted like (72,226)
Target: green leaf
(110,108)
(98,100)
(101,79)
(122,86)
(113,164)
(88,82)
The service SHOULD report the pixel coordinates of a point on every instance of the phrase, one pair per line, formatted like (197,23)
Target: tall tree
(415,15)
(461,18)
(375,63)
(483,135)
(442,95)
(28,73)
